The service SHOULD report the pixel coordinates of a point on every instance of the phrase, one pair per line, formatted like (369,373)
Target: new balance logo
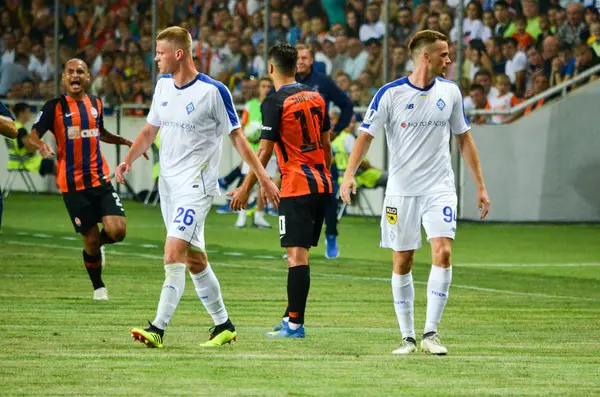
(164,104)
(440,294)
(410,106)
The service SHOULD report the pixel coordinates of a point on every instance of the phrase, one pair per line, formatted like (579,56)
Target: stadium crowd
(514,49)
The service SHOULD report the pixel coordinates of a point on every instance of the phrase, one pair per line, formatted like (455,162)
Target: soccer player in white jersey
(418,113)
(193,113)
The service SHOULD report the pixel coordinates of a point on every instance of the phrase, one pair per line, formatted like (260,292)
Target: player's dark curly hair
(284,57)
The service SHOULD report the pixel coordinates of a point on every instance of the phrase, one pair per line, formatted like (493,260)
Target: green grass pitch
(523,316)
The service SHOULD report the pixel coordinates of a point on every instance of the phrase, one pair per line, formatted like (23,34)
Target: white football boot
(431,344)
(409,345)
(101,294)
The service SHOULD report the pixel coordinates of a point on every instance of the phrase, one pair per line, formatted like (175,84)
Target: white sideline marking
(42,235)
(265,257)
(22,234)
(330,275)
(233,253)
(69,238)
(149,246)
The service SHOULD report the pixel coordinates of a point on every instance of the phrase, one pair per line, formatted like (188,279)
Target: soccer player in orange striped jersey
(76,121)
(296,124)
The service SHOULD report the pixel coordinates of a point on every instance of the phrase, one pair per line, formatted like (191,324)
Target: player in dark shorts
(76,121)
(9,130)
(296,124)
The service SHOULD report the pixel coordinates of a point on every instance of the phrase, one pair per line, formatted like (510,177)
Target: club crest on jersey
(391,214)
(78,221)
(94,112)
(189,108)
(441,104)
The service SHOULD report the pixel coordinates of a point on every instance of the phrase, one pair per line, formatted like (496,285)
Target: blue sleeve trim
(374,106)
(227,99)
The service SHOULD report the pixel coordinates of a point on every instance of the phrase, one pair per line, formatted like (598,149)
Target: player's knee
(442,254)
(196,264)
(117,234)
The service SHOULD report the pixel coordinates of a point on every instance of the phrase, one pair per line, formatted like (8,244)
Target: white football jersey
(417,123)
(192,121)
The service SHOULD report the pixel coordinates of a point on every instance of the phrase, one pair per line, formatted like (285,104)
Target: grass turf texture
(511,329)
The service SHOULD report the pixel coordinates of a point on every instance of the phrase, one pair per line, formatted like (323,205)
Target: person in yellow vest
(252,123)
(22,153)
(367,175)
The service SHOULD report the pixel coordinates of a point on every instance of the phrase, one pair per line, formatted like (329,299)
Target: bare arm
(361,147)
(7,127)
(107,137)
(269,190)
(239,141)
(468,151)
(29,145)
(265,151)
(142,143)
(45,149)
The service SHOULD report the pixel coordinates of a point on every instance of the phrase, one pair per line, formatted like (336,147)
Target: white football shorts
(402,217)
(184,217)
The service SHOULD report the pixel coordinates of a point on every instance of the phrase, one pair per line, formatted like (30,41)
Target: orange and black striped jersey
(76,126)
(294,118)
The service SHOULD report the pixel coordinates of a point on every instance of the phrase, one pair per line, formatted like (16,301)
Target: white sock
(259,215)
(170,295)
(209,292)
(438,288)
(403,291)
(241,220)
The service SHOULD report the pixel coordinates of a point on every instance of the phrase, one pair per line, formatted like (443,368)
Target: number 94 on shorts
(184,217)
(402,217)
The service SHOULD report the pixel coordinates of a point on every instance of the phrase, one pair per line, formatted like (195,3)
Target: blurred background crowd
(513,49)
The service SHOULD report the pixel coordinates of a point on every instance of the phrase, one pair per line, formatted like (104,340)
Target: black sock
(226,325)
(104,239)
(93,264)
(297,288)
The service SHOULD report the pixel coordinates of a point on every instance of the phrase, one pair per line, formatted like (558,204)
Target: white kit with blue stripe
(417,123)
(193,120)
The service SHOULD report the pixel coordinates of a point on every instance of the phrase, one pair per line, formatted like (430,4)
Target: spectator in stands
(531,12)
(353,23)
(277,32)
(341,51)
(505,100)
(594,39)
(540,84)
(40,63)
(570,31)
(13,73)
(479,101)
(295,35)
(446,23)
(401,63)
(357,58)
(484,78)
(516,64)
(535,65)
(8,48)
(375,61)
(343,82)
(505,26)
(403,27)
(494,50)
(373,28)
(473,27)
(524,39)
(358,95)
(585,58)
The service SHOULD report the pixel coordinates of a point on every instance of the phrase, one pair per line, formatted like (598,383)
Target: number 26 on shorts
(188,216)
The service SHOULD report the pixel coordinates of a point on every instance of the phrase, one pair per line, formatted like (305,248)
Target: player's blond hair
(424,38)
(177,36)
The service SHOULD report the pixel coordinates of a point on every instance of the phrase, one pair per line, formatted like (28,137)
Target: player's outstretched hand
(484,202)
(348,186)
(46,151)
(239,199)
(122,170)
(270,192)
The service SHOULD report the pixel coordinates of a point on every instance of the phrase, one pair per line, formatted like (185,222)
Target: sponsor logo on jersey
(429,123)
(190,127)
(441,104)
(189,108)
(266,128)
(75,132)
(391,214)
